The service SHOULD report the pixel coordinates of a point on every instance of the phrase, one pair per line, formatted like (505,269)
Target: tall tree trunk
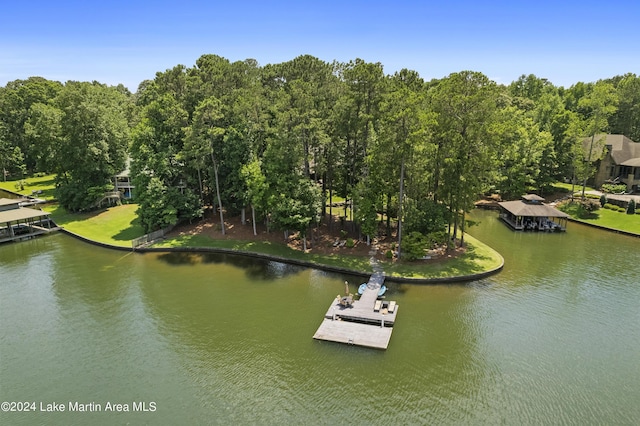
(307,168)
(573,183)
(243,216)
(330,203)
(215,171)
(351,210)
(462,228)
(400,198)
(253,219)
(586,174)
(389,214)
(451,219)
(324,193)
(200,184)
(456,217)
(436,173)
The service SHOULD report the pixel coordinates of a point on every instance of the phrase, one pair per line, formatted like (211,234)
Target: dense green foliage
(407,156)
(79,131)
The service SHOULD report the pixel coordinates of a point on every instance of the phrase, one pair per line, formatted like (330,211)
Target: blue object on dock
(362,288)
(382,290)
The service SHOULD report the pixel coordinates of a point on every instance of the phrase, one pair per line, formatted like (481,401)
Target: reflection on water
(552,339)
(255,268)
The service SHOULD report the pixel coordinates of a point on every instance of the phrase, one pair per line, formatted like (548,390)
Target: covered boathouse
(531,214)
(17,222)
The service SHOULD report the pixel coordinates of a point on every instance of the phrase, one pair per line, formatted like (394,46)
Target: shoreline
(308,264)
(604,228)
(487,206)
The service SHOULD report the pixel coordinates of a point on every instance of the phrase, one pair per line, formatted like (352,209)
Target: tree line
(281,141)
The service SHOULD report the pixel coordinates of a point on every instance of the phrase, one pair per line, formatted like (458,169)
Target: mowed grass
(46,184)
(617,220)
(478,258)
(354,263)
(577,188)
(116,225)
(609,219)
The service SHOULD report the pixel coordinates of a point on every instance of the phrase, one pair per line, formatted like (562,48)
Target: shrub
(613,188)
(413,246)
(610,207)
(437,238)
(343,233)
(631,208)
(389,254)
(603,200)
(587,208)
(350,243)
(621,210)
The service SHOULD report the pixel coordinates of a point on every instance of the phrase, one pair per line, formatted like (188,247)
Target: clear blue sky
(129,41)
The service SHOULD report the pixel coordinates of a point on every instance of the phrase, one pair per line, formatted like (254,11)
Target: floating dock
(367,322)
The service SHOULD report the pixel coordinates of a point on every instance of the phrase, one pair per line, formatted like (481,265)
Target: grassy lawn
(46,184)
(356,263)
(115,225)
(561,186)
(479,257)
(609,218)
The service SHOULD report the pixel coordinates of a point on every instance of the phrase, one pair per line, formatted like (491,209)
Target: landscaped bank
(478,261)
(117,226)
(605,218)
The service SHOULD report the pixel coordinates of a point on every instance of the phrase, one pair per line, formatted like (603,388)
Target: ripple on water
(552,339)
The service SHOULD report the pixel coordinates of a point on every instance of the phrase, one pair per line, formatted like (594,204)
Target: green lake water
(210,339)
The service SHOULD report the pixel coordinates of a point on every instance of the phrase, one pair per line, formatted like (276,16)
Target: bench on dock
(392,306)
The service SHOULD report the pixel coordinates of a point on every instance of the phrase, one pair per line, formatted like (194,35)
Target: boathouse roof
(18,214)
(23,213)
(9,203)
(533,198)
(522,208)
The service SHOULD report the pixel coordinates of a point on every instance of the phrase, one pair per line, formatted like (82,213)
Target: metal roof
(520,208)
(10,201)
(23,213)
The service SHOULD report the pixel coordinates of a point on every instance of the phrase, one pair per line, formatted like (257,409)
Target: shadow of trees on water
(254,268)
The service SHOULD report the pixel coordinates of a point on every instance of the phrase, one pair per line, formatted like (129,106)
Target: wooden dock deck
(359,324)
